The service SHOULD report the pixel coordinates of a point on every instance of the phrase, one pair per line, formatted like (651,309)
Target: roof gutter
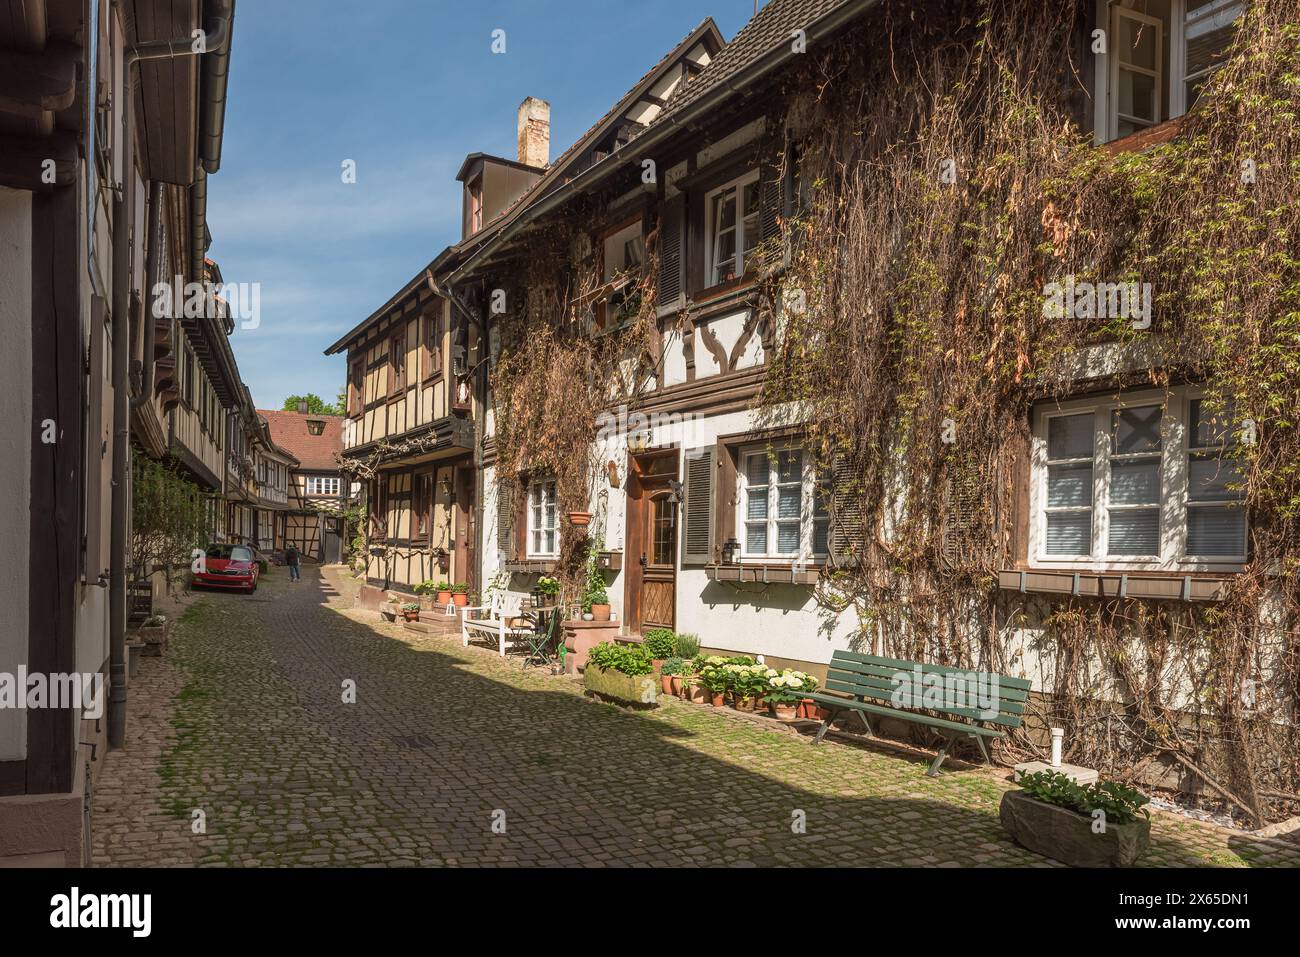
(219,25)
(593,175)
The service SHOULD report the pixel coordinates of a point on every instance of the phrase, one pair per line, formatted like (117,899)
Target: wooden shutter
(848,536)
(697,530)
(506,519)
(672,224)
(771,201)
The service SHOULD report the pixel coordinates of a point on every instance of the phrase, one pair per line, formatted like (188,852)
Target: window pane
(787,501)
(1134,532)
(1136,430)
(1137,95)
(787,538)
(821,537)
(1137,43)
(1208,428)
(1216,531)
(756,538)
(724,210)
(1135,483)
(1070,436)
(789,466)
(756,469)
(1211,476)
(756,503)
(1069,533)
(1069,485)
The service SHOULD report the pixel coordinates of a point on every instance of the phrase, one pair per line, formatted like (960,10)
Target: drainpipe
(218,38)
(123,203)
(152,265)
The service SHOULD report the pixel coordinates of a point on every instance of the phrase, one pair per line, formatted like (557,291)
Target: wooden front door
(653,521)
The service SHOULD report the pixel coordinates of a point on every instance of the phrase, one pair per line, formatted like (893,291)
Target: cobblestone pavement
(244,721)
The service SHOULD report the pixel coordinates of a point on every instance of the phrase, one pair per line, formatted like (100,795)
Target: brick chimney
(534,132)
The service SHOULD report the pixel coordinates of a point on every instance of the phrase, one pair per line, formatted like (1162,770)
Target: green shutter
(697,529)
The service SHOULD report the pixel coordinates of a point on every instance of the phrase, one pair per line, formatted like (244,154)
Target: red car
(228,566)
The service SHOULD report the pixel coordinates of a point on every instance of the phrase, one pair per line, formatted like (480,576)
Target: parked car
(228,566)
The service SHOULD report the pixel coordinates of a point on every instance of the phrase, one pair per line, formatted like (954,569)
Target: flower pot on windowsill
(580,519)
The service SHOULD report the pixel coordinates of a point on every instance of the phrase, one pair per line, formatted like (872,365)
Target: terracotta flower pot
(820,713)
(742,703)
(600,612)
(717,699)
(411,615)
(461,599)
(676,681)
(807,708)
(666,682)
(444,597)
(580,519)
(785,711)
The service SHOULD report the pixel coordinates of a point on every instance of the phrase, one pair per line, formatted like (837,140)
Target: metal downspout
(152,264)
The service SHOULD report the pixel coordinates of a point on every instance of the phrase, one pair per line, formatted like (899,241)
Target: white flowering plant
(789,686)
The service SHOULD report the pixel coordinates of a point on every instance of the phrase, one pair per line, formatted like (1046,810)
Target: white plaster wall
(17,431)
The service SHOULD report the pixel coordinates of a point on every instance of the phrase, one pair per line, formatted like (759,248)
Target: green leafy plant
(593,592)
(1120,803)
(427,587)
(548,586)
(410,606)
(630,660)
(660,642)
(673,666)
(154,621)
(460,588)
(688,645)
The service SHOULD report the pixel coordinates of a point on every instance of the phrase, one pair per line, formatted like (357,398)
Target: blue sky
(405,88)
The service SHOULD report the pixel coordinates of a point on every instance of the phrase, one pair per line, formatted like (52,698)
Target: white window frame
(808,485)
(1175,450)
(322,485)
(1211,16)
(738,185)
(547,486)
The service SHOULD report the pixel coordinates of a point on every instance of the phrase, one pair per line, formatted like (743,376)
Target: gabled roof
(770,29)
(555,175)
(314,452)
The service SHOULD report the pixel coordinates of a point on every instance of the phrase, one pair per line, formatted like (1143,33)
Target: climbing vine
(947,183)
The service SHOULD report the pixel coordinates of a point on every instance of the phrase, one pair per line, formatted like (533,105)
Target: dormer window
(316,426)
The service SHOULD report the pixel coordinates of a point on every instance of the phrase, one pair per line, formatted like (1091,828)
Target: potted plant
(411,610)
(670,674)
(660,644)
(460,594)
(442,591)
(1083,825)
(580,519)
(715,680)
(807,706)
(785,693)
(546,591)
(621,672)
(153,632)
(594,599)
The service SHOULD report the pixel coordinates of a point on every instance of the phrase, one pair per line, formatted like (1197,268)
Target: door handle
(643,561)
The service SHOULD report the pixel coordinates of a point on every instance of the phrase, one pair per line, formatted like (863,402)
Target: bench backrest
(505,605)
(981,696)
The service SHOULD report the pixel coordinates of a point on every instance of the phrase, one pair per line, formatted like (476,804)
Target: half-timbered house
(320,493)
(110,122)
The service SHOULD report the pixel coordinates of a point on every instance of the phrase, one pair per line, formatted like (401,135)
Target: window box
(765,573)
(1114,585)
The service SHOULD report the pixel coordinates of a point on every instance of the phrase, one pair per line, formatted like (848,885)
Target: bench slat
(1009,720)
(1013,705)
(831,701)
(1005,689)
(1022,684)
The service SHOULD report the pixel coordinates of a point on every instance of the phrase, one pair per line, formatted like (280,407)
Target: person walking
(291,559)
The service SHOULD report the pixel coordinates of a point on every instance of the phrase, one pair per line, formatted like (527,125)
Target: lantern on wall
(729,549)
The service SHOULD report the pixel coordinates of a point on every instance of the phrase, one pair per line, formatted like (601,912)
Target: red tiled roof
(289,432)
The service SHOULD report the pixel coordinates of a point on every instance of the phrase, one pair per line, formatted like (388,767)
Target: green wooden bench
(958,702)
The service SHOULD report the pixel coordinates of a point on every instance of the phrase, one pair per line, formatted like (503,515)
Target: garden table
(543,619)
